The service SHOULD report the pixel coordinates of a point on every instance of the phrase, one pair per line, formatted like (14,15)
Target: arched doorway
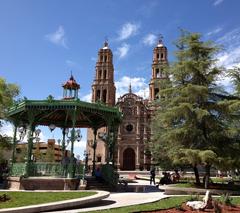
(129,159)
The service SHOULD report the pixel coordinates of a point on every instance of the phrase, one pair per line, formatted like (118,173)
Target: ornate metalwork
(64,114)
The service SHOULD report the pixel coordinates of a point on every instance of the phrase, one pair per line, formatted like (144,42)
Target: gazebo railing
(18,169)
(38,169)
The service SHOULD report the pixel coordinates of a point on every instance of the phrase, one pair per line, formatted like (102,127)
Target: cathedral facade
(134,133)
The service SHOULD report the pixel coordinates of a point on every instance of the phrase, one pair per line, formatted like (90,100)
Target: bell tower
(160,60)
(103,88)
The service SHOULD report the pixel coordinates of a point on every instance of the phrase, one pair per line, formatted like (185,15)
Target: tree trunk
(197,179)
(207,175)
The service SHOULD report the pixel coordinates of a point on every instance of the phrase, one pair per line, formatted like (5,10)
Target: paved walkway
(148,194)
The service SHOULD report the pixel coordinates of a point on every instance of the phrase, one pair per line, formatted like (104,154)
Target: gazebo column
(73,133)
(30,129)
(63,142)
(94,150)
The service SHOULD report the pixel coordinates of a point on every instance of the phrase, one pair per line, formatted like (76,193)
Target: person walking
(152,176)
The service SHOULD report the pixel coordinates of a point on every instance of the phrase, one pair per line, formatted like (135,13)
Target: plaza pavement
(147,194)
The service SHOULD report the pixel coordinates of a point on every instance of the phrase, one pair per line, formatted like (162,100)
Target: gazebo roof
(71,84)
(60,113)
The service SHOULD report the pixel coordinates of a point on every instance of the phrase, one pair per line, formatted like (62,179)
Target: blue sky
(41,41)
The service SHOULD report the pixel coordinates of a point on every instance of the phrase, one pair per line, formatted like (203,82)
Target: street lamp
(52,127)
(37,138)
(86,154)
(59,142)
(93,144)
(37,134)
(22,132)
(109,140)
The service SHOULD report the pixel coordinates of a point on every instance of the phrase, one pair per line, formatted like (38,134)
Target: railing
(18,169)
(37,169)
(46,169)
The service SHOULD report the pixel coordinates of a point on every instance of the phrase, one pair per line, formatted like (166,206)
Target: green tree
(191,114)
(7,94)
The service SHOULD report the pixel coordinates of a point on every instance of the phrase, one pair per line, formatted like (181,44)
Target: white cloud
(128,30)
(71,63)
(217,2)
(139,86)
(123,50)
(87,97)
(57,37)
(230,56)
(7,129)
(215,31)
(150,39)
(81,144)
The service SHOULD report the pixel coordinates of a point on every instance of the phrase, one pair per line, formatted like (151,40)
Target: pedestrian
(65,162)
(152,176)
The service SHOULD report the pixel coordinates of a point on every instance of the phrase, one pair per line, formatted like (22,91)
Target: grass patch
(32,198)
(185,185)
(220,186)
(162,204)
(235,200)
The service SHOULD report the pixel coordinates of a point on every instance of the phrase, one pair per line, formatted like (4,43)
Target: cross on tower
(106,41)
(160,38)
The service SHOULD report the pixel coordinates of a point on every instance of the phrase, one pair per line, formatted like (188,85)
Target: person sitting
(175,177)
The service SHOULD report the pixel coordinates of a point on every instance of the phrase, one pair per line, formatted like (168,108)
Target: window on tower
(100,74)
(157,56)
(99,159)
(162,55)
(157,73)
(101,58)
(105,74)
(105,96)
(156,95)
(105,58)
(98,94)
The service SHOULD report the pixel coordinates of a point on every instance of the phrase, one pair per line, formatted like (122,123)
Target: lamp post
(37,138)
(93,144)
(59,142)
(104,137)
(22,132)
(109,139)
(86,154)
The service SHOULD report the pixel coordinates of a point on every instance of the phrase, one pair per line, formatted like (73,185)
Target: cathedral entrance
(129,159)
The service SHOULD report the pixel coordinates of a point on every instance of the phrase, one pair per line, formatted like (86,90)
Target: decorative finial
(71,75)
(130,88)
(106,42)
(160,39)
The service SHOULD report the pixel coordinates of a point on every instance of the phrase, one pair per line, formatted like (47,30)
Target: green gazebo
(69,112)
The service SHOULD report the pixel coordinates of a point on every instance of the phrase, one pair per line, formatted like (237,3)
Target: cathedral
(132,151)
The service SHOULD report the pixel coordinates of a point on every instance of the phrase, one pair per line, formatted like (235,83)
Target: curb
(67,204)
